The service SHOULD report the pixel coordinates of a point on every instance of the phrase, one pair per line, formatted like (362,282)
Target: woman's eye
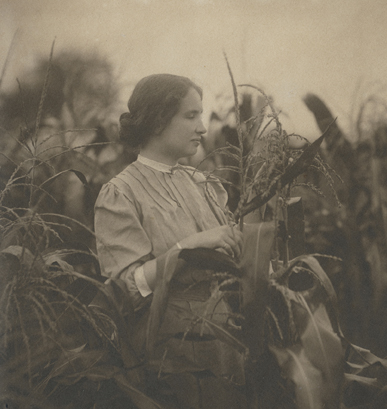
(192,115)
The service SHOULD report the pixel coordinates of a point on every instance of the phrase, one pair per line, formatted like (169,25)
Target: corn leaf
(314,360)
(204,258)
(139,398)
(361,358)
(360,390)
(77,173)
(314,363)
(167,265)
(26,258)
(10,264)
(183,265)
(316,271)
(255,266)
(307,380)
(324,350)
(225,336)
(365,377)
(73,365)
(174,364)
(291,173)
(255,260)
(72,253)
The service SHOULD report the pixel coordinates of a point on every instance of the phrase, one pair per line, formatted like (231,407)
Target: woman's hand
(227,238)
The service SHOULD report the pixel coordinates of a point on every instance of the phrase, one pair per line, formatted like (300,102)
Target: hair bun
(125,118)
(128,129)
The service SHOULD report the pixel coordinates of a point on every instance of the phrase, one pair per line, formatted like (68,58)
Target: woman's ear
(158,130)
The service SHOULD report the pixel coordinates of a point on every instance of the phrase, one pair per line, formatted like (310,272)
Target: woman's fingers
(228,249)
(228,238)
(237,237)
(233,241)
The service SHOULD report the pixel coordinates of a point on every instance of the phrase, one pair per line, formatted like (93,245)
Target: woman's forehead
(191,102)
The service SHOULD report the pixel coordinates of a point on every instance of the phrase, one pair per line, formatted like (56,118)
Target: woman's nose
(201,129)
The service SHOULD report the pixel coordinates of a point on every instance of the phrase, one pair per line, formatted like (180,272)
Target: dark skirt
(197,362)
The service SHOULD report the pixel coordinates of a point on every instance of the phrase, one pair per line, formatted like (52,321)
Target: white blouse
(146,209)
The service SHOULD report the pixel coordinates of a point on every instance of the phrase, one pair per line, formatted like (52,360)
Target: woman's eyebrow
(194,111)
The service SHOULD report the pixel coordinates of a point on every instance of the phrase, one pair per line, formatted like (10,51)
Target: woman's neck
(157,156)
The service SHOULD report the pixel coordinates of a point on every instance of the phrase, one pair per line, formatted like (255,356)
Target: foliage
(50,336)
(264,160)
(357,231)
(46,150)
(270,168)
(68,337)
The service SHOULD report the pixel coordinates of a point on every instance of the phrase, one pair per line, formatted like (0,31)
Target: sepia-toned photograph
(193,204)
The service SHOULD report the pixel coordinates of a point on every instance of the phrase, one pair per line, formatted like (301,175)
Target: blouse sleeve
(214,191)
(122,243)
(219,191)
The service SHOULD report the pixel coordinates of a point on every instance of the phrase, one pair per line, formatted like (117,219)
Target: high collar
(161,167)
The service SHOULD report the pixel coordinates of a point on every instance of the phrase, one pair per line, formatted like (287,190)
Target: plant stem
(286,236)
(276,253)
(242,177)
(241,224)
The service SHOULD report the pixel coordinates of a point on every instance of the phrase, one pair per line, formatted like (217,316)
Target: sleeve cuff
(141,283)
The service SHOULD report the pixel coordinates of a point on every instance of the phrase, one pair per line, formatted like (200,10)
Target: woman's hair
(154,102)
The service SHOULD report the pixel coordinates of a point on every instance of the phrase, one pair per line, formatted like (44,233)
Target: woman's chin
(193,151)
(190,153)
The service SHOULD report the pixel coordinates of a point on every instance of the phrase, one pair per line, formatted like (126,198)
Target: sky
(287,47)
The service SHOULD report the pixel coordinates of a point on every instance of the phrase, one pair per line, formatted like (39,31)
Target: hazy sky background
(288,47)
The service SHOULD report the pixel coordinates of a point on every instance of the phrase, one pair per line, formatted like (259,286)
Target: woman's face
(182,136)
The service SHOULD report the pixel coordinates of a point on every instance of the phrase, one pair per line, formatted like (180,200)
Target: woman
(155,207)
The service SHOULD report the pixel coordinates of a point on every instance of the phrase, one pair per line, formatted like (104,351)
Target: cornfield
(309,288)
